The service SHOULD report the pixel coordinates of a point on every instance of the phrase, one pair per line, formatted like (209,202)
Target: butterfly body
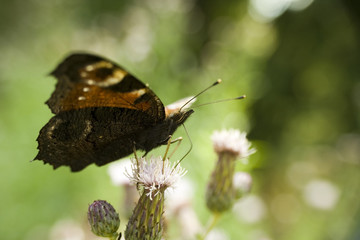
(102,113)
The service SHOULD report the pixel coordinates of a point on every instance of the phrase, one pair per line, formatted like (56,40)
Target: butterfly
(102,113)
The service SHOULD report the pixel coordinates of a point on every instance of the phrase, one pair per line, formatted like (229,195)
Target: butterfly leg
(178,140)
(135,155)
(167,147)
(137,165)
(169,142)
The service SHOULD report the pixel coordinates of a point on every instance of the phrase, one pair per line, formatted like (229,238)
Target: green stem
(211,225)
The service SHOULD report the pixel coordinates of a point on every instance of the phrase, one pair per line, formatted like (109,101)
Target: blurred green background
(297,61)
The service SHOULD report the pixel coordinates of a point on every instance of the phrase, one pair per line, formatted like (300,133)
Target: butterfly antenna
(191,99)
(218,101)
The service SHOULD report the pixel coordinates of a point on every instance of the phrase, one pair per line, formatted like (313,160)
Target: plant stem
(211,225)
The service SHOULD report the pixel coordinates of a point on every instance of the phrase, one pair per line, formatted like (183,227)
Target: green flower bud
(229,145)
(103,219)
(220,194)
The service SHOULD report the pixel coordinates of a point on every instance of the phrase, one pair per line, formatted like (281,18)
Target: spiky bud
(103,219)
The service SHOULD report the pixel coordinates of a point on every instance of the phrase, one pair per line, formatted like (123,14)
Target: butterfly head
(176,114)
(180,117)
(179,106)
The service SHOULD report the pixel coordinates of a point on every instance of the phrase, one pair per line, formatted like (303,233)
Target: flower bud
(220,194)
(229,146)
(104,220)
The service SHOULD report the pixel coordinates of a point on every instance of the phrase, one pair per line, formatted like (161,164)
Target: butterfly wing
(101,110)
(86,80)
(78,138)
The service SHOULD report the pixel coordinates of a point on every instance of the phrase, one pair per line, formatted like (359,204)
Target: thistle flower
(229,145)
(232,141)
(104,220)
(155,176)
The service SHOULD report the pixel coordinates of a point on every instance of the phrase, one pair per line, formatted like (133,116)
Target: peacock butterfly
(102,113)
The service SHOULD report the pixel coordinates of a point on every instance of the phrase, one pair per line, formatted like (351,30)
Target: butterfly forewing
(89,81)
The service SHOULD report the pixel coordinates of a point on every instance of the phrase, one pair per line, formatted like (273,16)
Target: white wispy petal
(154,174)
(233,141)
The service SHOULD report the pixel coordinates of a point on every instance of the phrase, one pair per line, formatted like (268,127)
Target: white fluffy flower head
(232,141)
(155,174)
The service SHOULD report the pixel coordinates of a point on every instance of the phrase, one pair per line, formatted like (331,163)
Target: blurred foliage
(299,69)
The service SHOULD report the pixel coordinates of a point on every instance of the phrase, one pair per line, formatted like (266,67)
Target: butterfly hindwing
(77,138)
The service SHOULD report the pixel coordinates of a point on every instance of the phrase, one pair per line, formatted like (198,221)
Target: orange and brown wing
(86,81)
